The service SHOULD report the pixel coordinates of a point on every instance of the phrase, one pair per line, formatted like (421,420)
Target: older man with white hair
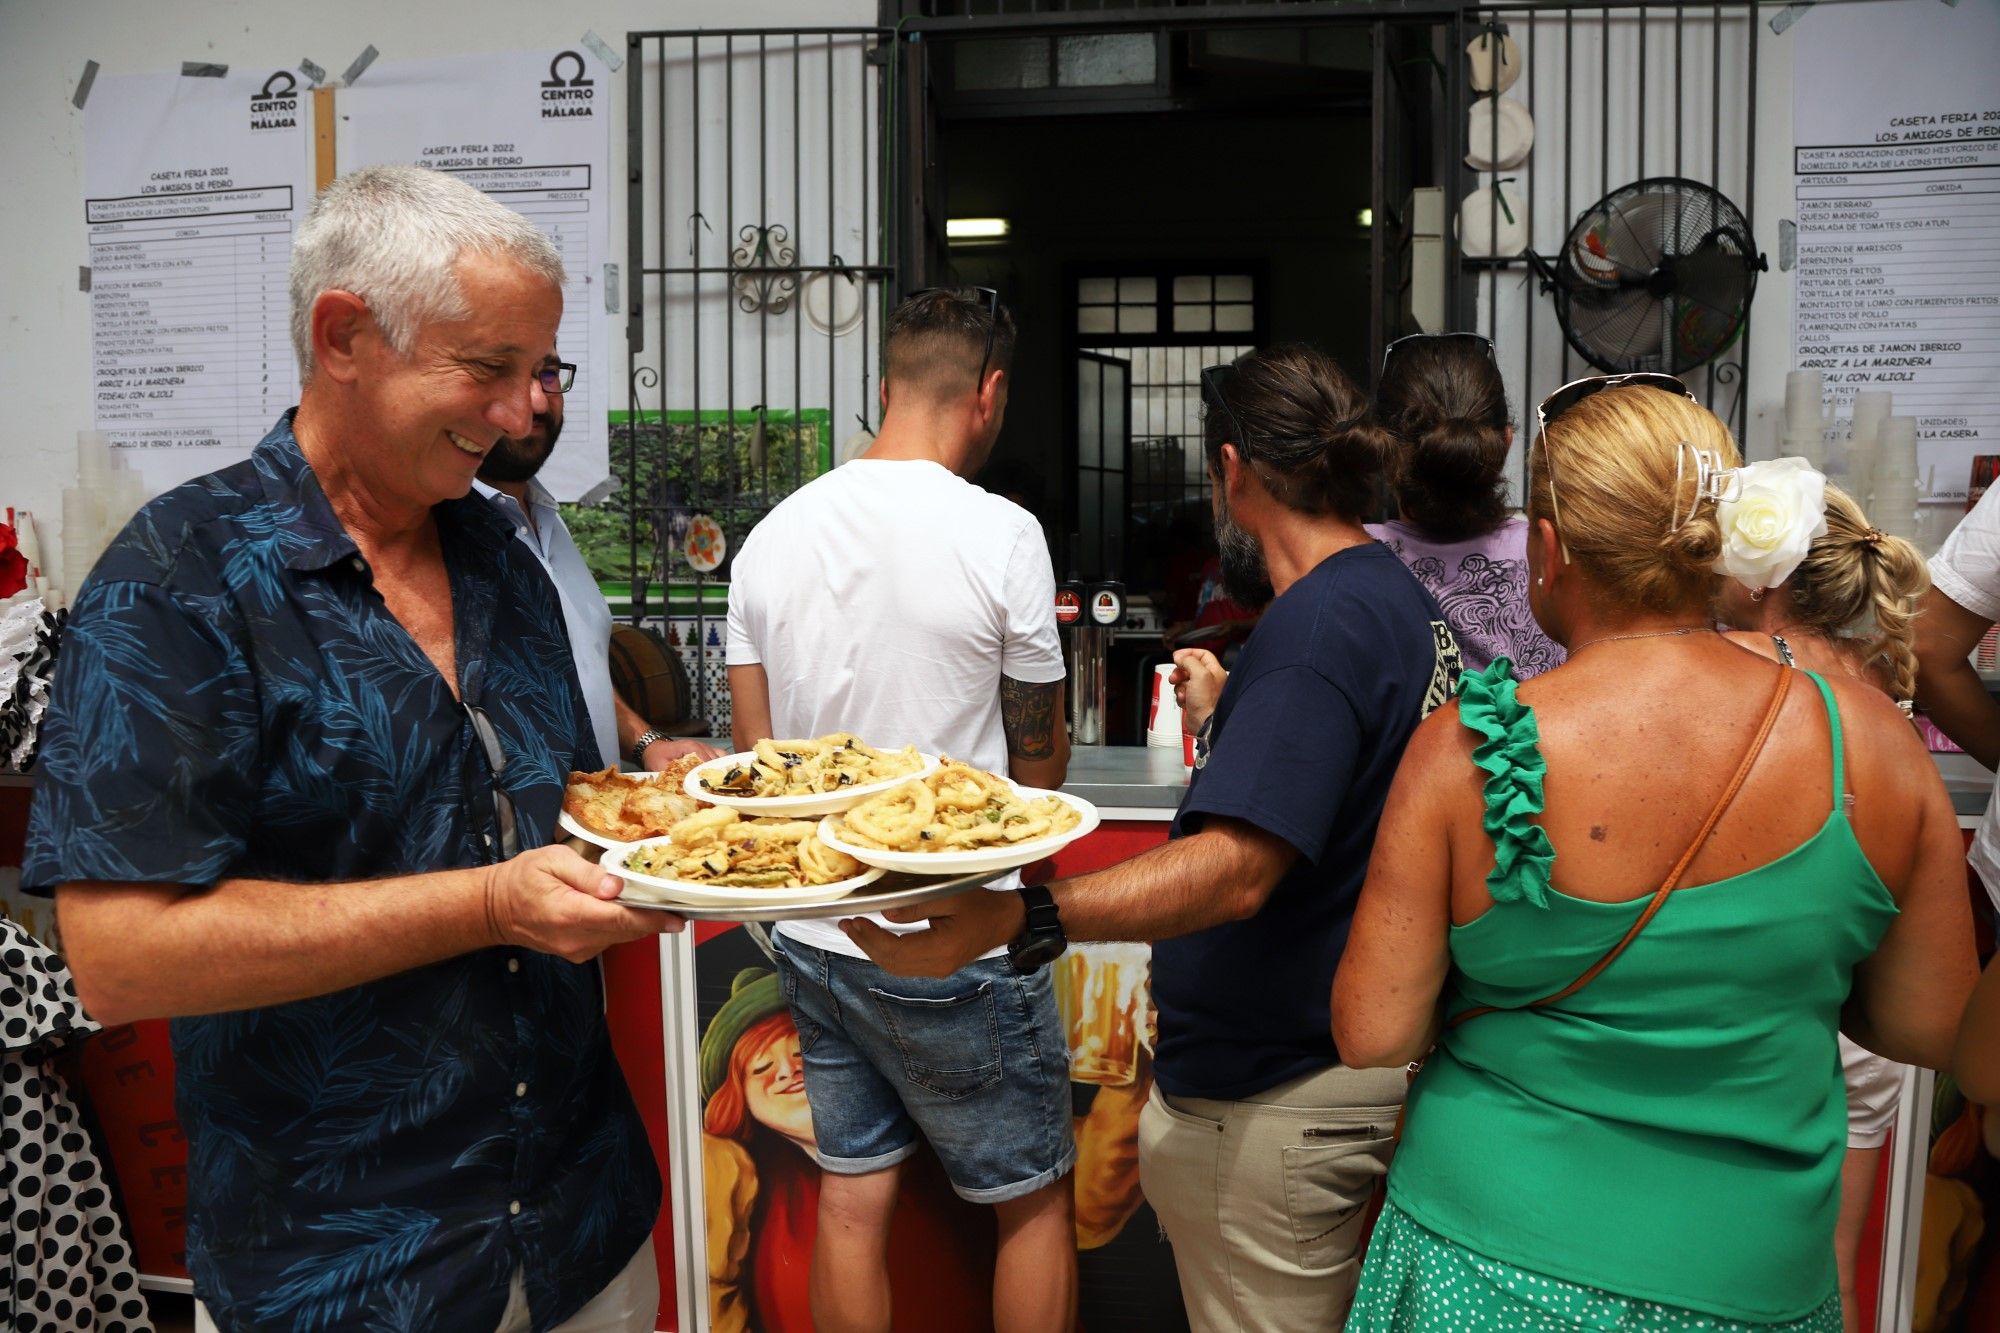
(309,734)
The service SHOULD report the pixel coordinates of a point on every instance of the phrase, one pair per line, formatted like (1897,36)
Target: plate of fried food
(610,808)
(717,857)
(957,819)
(815,777)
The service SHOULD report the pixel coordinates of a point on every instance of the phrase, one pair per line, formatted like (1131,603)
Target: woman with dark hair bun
(1442,399)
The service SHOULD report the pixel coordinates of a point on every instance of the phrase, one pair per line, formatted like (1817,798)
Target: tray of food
(877,895)
(609,808)
(718,865)
(957,819)
(803,777)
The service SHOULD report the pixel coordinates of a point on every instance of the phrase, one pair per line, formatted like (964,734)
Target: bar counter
(1136,782)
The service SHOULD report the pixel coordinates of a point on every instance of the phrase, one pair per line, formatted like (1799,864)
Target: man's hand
(663,754)
(554,901)
(1197,679)
(962,928)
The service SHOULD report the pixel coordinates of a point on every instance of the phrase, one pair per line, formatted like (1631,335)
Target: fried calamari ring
(895,819)
(820,864)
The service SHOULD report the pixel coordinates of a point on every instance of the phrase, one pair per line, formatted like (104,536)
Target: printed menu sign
(1897,192)
(192,189)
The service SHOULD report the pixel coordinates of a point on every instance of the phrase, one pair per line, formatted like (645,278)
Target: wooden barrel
(649,676)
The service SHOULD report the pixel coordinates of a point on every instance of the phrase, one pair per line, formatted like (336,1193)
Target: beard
(1245,576)
(511,461)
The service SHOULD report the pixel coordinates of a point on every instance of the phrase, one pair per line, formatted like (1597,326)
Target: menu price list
(1899,285)
(190,327)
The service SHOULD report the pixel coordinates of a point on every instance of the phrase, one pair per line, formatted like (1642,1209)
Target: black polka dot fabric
(64,1266)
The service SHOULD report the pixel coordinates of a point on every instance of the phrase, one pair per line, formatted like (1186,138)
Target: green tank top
(1674,1130)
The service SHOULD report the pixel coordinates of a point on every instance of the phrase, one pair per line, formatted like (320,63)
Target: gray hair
(391,235)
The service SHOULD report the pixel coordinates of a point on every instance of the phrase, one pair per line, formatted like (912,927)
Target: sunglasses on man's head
(1212,380)
(1480,340)
(1563,399)
(987,296)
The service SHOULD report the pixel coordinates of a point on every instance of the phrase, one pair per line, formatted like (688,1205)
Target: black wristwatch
(639,746)
(1041,941)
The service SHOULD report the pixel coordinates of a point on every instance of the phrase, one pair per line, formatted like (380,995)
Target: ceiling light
(977,229)
(1366,217)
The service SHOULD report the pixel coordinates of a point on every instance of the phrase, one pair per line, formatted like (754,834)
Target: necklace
(1644,634)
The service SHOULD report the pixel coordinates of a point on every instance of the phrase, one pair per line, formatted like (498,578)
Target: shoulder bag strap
(1673,878)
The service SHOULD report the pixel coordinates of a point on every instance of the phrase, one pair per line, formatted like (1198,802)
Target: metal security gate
(1616,93)
(755,290)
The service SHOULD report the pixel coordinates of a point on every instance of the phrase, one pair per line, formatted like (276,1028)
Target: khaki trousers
(1264,1198)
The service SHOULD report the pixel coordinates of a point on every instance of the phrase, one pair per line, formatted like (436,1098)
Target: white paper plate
(1501,148)
(979,859)
(648,889)
(833,302)
(1495,62)
(1485,231)
(820,803)
(576,829)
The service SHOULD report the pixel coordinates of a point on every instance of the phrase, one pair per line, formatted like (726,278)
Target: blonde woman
(1634,891)
(1849,609)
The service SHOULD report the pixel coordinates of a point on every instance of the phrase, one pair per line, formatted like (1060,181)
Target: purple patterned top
(1482,584)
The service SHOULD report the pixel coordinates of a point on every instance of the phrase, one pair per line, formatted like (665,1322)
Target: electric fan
(1655,276)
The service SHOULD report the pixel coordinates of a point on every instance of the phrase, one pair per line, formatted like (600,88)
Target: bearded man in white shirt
(507,478)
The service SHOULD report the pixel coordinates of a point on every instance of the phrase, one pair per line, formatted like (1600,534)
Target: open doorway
(1168,198)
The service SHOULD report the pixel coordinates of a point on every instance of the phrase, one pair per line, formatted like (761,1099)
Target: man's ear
(1234,472)
(991,392)
(340,321)
(882,395)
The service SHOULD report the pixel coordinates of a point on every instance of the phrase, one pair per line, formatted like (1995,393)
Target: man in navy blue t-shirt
(1259,1149)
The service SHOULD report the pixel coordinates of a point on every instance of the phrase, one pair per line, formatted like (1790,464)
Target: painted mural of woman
(762,1189)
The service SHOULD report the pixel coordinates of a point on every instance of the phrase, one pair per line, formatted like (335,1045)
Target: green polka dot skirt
(1416,1281)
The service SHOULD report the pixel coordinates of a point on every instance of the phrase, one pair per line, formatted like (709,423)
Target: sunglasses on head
(987,296)
(1568,396)
(1479,340)
(1212,380)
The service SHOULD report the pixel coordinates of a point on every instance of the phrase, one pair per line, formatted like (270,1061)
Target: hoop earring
(1756,594)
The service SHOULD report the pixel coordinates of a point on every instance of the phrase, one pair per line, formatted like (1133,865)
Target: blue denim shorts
(976,1062)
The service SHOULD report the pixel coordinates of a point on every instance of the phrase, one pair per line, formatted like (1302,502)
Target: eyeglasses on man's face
(556,376)
(1568,396)
(990,298)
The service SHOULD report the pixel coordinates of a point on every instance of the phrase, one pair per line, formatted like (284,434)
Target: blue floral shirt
(233,698)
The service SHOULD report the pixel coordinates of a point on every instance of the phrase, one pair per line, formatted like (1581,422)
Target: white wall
(44,319)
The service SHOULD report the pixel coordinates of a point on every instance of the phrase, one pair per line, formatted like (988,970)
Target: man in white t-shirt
(1962,604)
(894,599)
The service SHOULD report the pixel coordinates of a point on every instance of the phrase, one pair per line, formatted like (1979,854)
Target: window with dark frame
(1167,323)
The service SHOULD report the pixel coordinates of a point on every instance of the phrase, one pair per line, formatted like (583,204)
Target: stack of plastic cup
(1936,515)
(1892,504)
(1803,433)
(107,493)
(1871,409)
(1163,716)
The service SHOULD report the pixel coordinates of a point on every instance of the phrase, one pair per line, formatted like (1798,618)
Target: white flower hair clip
(1770,514)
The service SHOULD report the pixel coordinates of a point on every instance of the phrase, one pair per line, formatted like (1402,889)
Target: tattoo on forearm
(1028,714)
